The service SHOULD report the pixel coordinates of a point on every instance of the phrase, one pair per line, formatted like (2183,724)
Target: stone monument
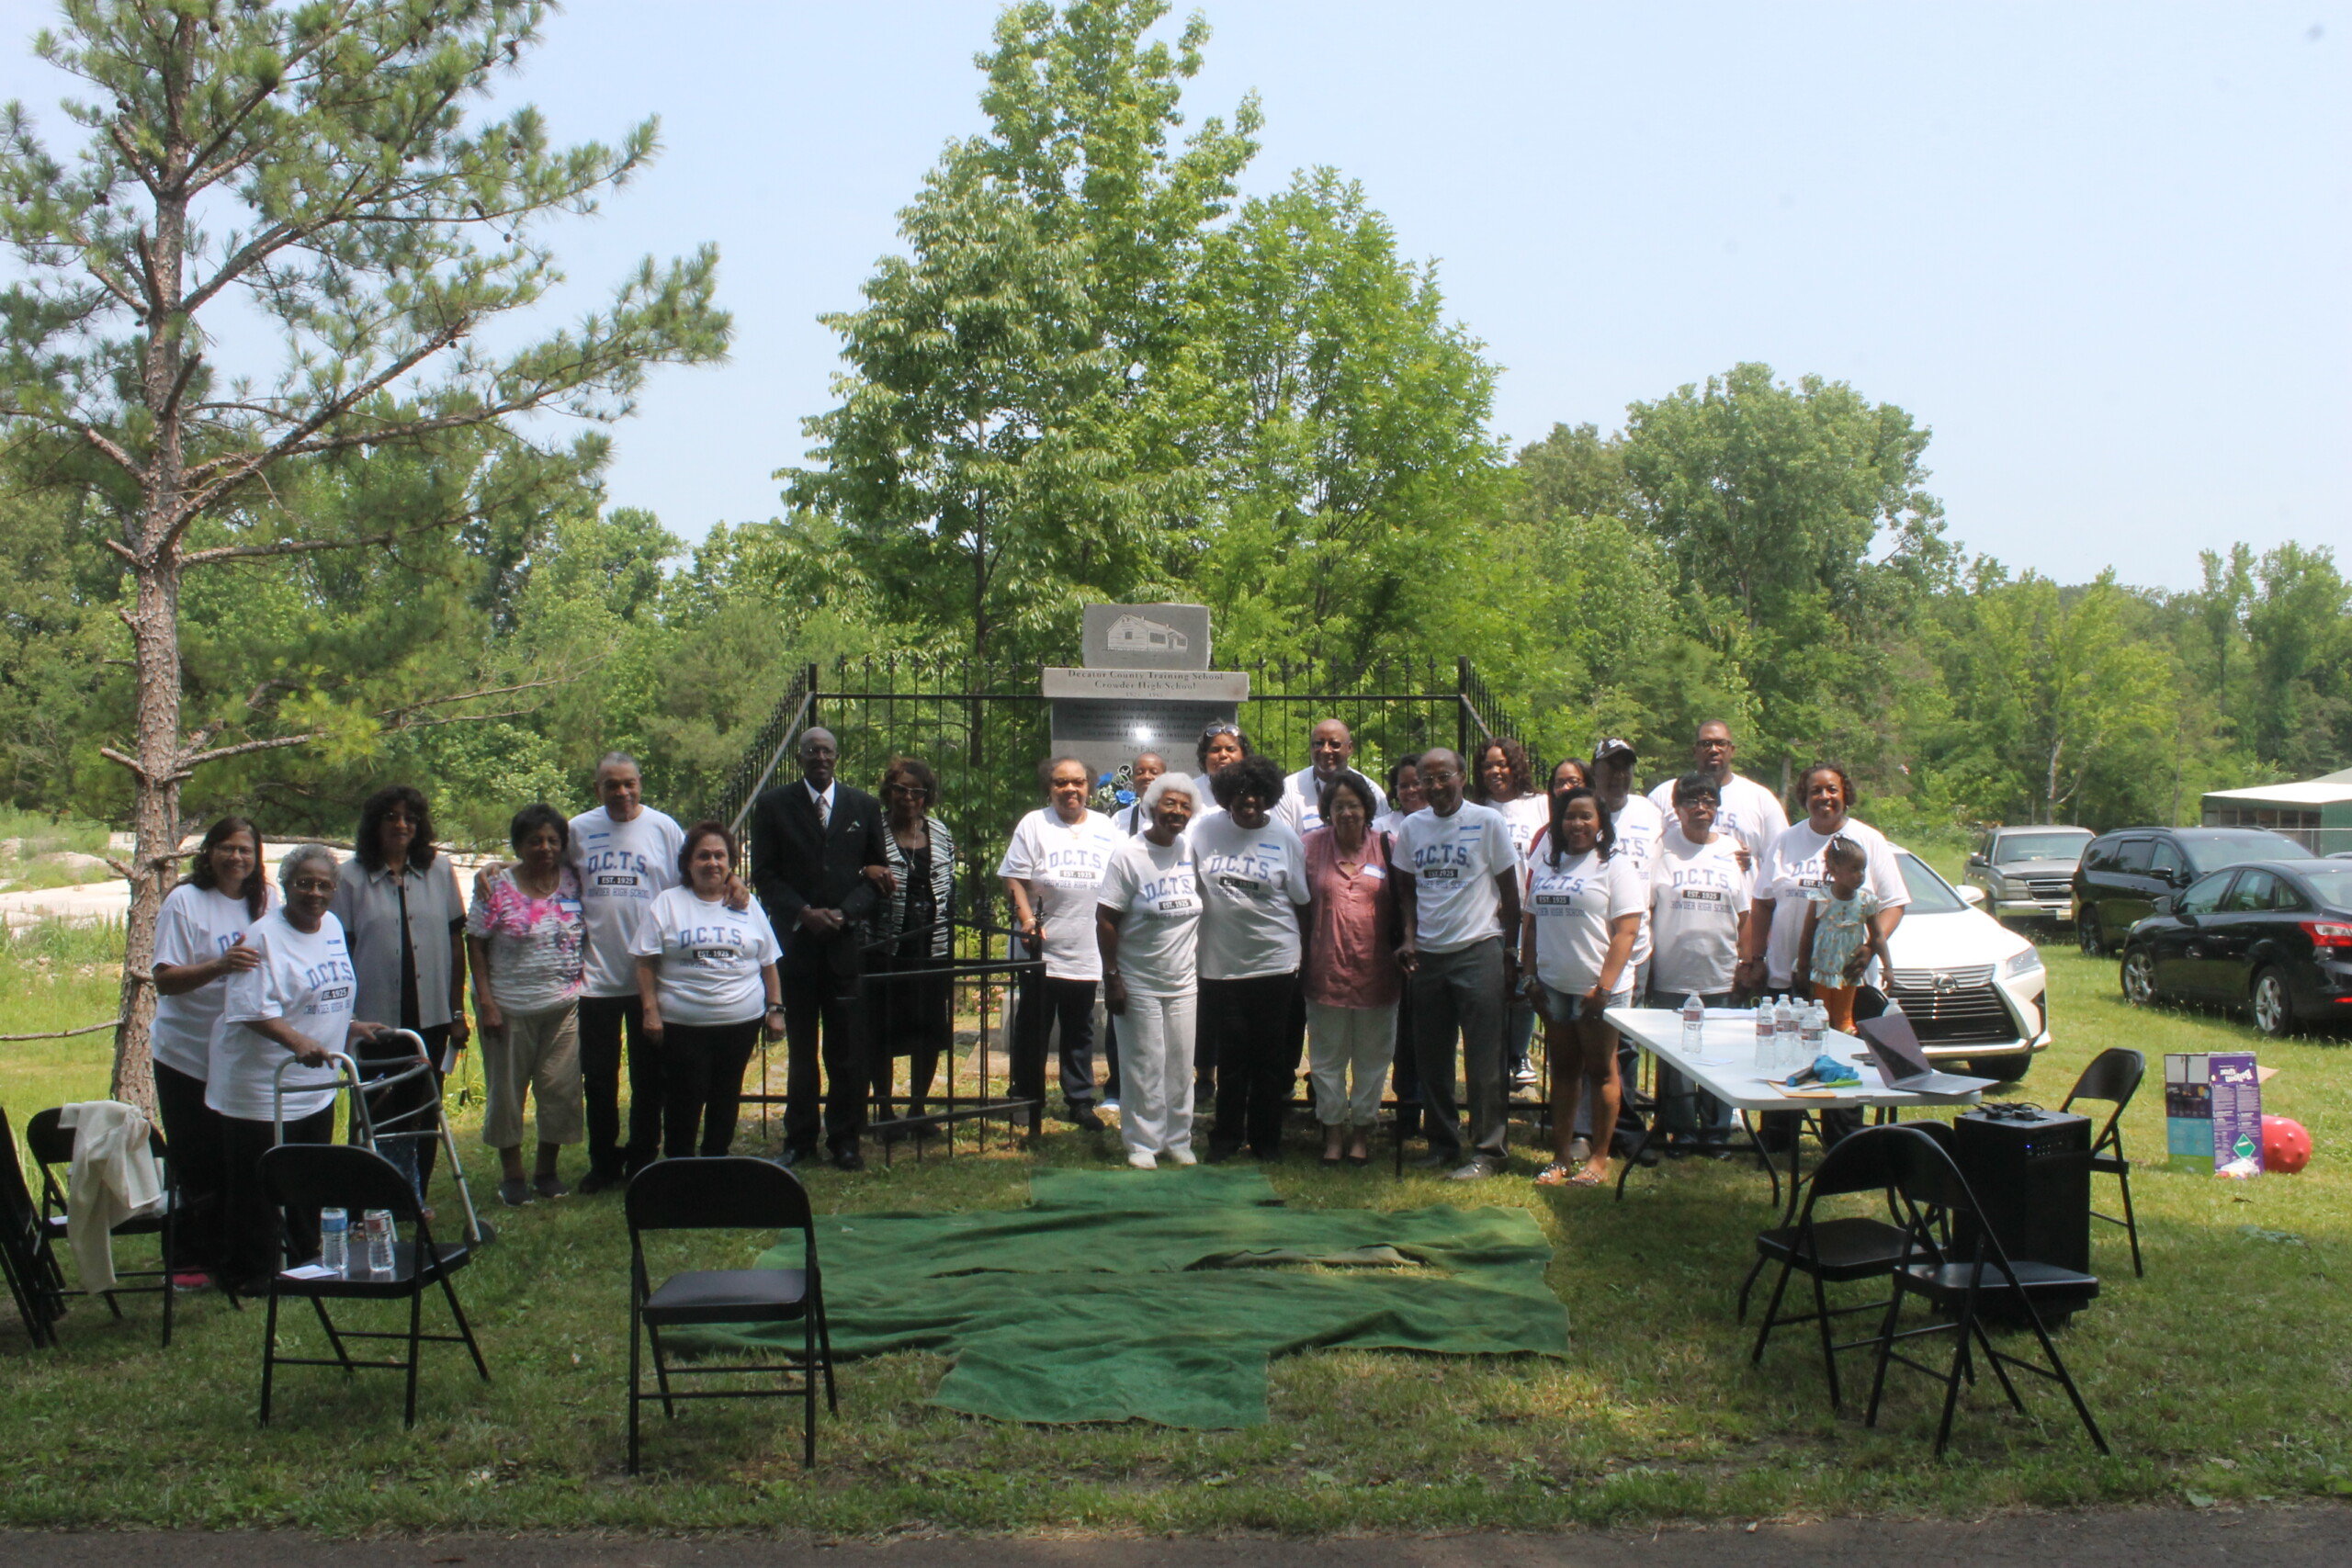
(1145,686)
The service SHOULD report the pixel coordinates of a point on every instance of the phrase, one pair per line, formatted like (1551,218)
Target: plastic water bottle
(334,1240)
(1814,1029)
(1766,1036)
(1694,1024)
(379,1241)
(1784,1026)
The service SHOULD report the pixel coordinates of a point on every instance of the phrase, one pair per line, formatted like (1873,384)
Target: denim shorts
(1563,1006)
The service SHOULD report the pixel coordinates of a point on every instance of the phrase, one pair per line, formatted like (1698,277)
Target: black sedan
(2273,938)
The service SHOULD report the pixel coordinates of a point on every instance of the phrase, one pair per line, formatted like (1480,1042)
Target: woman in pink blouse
(1351,978)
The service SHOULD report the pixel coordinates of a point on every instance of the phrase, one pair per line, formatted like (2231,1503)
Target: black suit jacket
(795,865)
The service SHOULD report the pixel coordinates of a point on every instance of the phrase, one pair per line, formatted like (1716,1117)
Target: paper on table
(312,1271)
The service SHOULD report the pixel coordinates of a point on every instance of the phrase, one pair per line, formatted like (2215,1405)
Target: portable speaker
(2030,1171)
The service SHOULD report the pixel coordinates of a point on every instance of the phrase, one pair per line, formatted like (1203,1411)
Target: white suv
(1972,989)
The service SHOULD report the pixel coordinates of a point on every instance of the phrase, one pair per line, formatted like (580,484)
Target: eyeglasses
(313,884)
(915,790)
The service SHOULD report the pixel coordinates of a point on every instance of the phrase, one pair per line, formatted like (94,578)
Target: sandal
(1584,1179)
(1553,1175)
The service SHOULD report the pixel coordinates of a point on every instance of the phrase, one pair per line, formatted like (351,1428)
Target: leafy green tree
(2066,684)
(1801,534)
(1009,441)
(1598,591)
(2299,628)
(55,644)
(1354,474)
(312,166)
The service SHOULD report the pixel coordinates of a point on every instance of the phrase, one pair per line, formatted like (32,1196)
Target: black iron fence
(984,729)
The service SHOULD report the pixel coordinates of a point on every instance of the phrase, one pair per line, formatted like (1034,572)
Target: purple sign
(2237,1114)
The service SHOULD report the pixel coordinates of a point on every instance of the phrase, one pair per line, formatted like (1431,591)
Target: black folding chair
(726,1192)
(2114,1077)
(35,1283)
(1961,1290)
(309,1177)
(1842,1250)
(52,1150)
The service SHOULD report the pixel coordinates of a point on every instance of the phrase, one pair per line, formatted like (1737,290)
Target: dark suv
(2124,873)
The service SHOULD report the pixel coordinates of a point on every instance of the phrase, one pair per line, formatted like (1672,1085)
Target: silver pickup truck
(2028,873)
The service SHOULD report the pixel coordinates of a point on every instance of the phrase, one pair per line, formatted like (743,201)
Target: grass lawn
(2225,1374)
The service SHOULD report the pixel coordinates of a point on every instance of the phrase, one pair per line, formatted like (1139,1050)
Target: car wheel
(2087,935)
(2139,977)
(2011,1069)
(2273,1005)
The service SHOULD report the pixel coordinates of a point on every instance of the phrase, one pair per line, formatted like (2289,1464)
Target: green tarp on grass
(1159,1295)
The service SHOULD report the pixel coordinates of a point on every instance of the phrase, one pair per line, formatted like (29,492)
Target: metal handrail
(792,728)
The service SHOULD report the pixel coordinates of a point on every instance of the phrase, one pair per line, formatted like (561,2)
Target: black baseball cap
(1612,747)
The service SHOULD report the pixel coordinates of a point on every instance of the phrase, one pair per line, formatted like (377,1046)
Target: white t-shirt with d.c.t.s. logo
(622,867)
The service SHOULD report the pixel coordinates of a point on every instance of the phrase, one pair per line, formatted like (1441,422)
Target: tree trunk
(154,628)
(155,623)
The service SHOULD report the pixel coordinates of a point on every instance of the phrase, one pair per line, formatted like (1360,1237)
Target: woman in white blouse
(295,1003)
(706,980)
(1146,926)
(199,944)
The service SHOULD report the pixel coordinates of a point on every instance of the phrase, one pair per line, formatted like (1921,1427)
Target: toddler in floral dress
(1840,938)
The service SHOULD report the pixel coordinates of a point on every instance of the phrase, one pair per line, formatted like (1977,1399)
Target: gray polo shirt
(368,905)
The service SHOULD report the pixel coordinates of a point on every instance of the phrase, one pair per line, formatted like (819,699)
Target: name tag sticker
(1375,871)
(568,905)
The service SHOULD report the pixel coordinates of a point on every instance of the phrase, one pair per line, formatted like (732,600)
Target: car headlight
(2012,888)
(2025,963)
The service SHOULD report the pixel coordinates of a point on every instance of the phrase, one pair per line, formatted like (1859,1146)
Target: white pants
(1156,1072)
(1340,1040)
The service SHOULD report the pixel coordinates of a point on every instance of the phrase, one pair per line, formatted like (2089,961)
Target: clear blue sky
(2101,249)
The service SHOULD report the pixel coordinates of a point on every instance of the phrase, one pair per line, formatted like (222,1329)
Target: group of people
(1233,922)
(1239,922)
(611,924)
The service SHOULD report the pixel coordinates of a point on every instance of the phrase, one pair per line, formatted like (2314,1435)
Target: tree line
(1092,372)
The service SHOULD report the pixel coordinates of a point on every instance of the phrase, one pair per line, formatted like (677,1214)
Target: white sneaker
(1579,1149)
(1475,1170)
(1144,1159)
(1183,1156)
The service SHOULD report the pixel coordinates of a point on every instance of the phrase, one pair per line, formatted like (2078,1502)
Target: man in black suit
(811,844)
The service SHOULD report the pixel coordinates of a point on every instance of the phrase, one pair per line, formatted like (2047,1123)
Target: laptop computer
(1895,1050)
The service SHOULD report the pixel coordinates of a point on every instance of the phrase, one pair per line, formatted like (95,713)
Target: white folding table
(1725,1066)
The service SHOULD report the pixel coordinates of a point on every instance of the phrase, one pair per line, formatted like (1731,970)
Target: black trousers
(702,1084)
(192,1133)
(1249,1020)
(1405,1079)
(602,1020)
(1043,1002)
(909,1004)
(824,1026)
(250,1225)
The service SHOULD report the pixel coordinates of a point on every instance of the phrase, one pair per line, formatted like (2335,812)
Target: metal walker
(416,1125)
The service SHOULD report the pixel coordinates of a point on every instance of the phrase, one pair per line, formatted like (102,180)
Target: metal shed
(2316,813)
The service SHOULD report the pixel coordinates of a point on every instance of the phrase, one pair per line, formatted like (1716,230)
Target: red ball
(2286,1148)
